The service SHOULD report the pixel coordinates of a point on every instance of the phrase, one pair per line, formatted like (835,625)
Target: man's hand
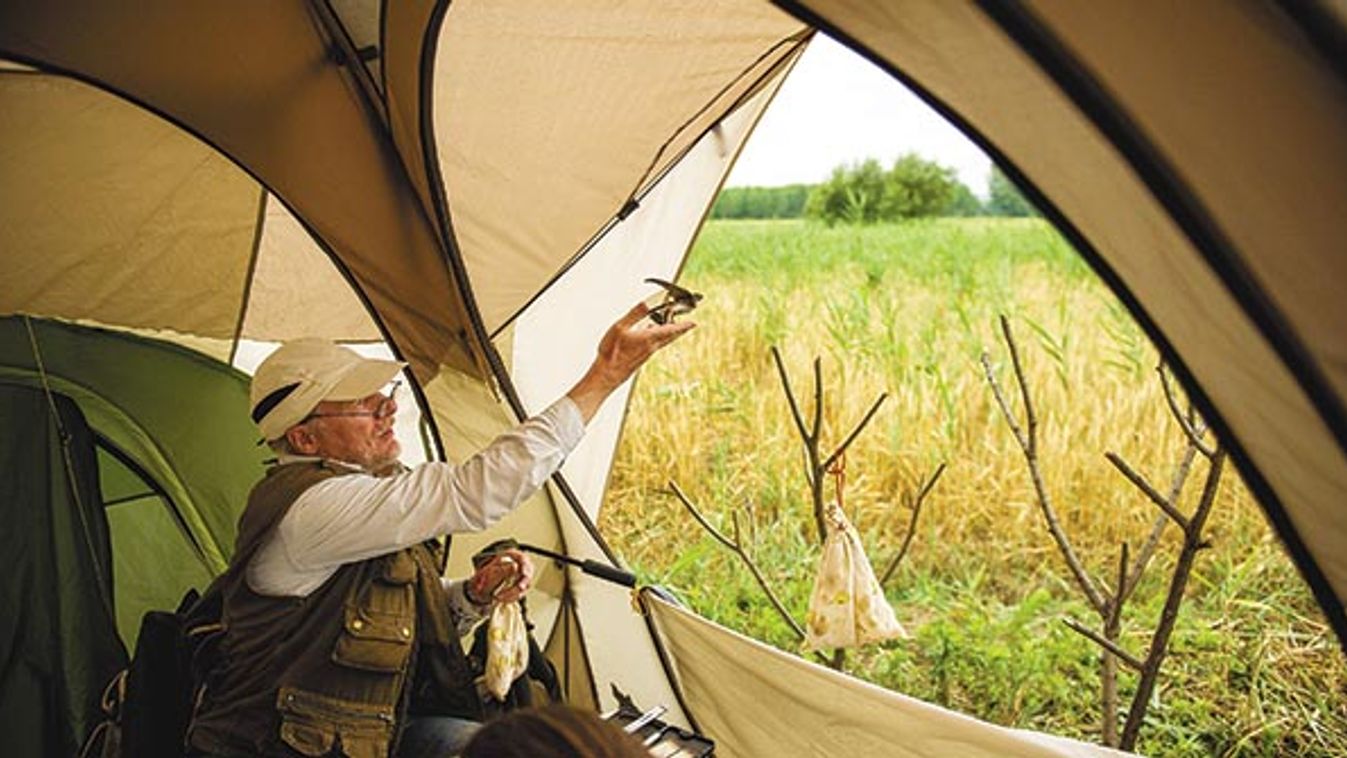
(624,348)
(502,579)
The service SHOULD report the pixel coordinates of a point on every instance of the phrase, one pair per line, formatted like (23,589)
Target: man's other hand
(503,579)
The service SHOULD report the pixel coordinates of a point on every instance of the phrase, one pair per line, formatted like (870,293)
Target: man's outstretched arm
(624,349)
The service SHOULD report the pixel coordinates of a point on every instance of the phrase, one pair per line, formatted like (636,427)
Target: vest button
(357,625)
(406,633)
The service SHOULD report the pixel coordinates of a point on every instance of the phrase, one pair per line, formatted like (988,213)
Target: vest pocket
(313,724)
(374,641)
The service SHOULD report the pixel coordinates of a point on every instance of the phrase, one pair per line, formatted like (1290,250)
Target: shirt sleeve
(465,613)
(351,518)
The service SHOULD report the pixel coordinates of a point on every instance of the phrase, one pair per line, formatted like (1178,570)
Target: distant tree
(1005,199)
(761,202)
(916,187)
(866,193)
(963,202)
(853,194)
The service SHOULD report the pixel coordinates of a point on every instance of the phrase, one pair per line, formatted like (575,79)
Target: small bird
(677,301)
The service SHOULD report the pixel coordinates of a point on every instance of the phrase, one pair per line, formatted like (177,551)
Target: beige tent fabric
(296,291)
(288,113)
(114,216)
(551,115)
(847,607)
(978,71)
(754,700)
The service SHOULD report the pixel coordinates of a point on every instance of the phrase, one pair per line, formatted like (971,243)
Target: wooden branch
(999,394)
(1028,444)
(1192,543)
(818,401)
(912,524)
(790,394)
(1147,489)
(1030,418)
(1162,520)
(1190,431)
(1119,590)
(842,448)
(737,549)
(1107,644)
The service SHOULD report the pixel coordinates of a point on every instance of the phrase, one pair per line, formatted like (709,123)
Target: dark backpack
(149,705)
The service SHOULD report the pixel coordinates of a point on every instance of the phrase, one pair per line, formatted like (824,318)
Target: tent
(483,186)
(114,504)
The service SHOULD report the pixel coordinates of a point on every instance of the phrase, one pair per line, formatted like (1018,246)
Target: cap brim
(364,379)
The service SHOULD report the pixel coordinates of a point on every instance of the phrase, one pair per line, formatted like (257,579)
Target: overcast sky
(836,108)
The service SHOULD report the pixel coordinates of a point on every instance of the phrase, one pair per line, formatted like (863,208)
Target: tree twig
(1028,444)
(842,448)
(912,524)
(1192,543)
(738,550)
(1030,418)
(1162,520)
(1147,489)
(1112,647)
(790,394)
(1190,431)
(1001,401)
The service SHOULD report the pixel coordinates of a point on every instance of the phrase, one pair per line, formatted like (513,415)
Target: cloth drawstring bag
(847,607)
(507,648)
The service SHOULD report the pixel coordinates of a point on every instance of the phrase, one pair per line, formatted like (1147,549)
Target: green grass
(907,309)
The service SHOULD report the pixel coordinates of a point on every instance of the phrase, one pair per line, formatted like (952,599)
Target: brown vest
(327,673)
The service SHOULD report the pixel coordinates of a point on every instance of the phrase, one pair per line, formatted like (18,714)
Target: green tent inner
(137,506)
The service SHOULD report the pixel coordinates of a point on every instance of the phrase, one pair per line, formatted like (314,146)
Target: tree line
(866,192)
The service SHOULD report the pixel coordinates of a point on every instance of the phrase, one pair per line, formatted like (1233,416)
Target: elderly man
(341,636)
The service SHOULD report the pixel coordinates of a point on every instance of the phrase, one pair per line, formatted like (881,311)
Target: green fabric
(56,620)
(168,436)
(180,416)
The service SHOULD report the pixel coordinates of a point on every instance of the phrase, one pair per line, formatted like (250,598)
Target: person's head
(312,397)
(556,731)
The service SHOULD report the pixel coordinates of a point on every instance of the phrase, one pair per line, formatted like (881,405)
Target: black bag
(149,705)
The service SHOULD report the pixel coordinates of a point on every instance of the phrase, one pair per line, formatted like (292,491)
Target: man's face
(359,431)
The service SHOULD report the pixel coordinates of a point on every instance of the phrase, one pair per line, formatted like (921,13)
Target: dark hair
(556,731)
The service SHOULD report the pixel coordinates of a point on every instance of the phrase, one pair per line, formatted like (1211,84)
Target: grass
(907,309)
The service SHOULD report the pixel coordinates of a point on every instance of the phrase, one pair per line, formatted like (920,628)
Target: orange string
(839,473)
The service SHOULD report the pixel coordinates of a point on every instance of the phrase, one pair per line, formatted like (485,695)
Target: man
(341,636)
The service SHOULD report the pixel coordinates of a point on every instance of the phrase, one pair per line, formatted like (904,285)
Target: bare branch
(912,524)
(817,431)
(696,514)
(999,394)
(738,550)
(1192,543)
(842,448)
(1107,644)
(1030,418)
(1147,489)
(1119,592)
(1152,542)
(1028,443)
(1190,430)
(790,394)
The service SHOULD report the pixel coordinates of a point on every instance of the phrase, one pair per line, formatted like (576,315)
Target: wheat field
(908,310)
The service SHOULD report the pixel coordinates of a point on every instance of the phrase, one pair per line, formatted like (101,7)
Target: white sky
(836,107)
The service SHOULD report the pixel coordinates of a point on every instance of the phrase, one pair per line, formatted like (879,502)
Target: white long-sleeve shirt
(352,518)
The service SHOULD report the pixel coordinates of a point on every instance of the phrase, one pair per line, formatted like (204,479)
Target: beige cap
(300,374)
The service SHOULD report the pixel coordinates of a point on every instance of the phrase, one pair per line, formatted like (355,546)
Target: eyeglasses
(383,410)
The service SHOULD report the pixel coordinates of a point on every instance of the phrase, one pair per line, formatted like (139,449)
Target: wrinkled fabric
(507,649)
(847,607)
